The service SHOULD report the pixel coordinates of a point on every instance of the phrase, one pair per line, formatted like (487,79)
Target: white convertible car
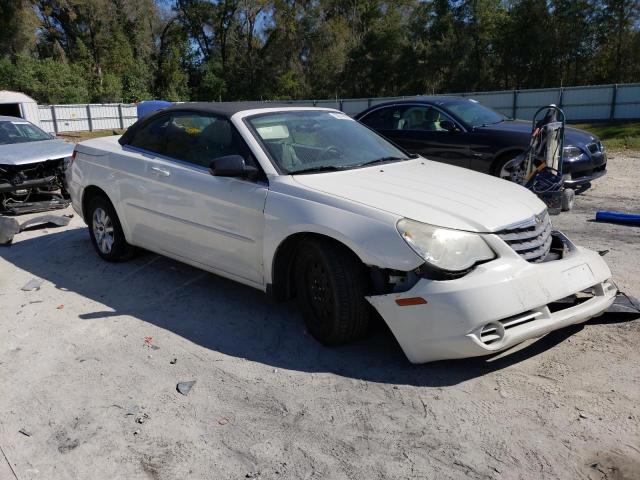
(308,203)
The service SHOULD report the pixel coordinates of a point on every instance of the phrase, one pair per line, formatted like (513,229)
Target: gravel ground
(89,365)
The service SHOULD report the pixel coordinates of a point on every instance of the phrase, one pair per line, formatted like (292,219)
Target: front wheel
(331,285)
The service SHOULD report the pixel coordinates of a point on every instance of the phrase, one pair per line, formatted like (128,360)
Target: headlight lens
(570,152)
(443,248)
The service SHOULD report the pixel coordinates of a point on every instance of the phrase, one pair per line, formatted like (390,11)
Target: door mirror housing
(232,166)
(449,126)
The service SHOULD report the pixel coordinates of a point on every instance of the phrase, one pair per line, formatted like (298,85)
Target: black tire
(119,249)
(331,284)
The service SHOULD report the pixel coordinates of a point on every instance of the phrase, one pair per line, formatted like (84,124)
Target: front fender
(371,234)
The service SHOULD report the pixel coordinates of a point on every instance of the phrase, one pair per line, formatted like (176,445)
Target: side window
(421,117)
(152,136)
(199,138)
(383,119)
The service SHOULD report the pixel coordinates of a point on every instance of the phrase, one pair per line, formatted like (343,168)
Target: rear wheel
(106,232)
(331,285)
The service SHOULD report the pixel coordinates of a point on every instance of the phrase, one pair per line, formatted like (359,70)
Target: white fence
(77,118)
(593,103)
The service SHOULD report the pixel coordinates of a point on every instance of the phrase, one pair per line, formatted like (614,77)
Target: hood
(433,193)
(572,136)
(34,152)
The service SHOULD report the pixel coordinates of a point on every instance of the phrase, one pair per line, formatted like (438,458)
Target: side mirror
(232,166)
(449,126)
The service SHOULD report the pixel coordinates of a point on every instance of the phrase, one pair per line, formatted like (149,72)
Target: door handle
(161,172)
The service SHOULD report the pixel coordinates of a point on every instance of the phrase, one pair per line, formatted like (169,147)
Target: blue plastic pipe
(618,217)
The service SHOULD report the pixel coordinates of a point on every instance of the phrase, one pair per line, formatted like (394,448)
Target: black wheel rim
(320,294)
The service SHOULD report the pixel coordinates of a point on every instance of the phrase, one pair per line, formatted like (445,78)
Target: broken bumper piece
(21,208)
(498,305)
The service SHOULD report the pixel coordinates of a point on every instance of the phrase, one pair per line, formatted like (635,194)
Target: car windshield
(313,141)
(20,131)
(473,113)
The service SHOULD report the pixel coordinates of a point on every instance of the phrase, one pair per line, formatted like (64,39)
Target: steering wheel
(330,149)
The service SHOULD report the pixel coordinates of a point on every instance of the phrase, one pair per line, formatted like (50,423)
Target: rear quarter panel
(100,163)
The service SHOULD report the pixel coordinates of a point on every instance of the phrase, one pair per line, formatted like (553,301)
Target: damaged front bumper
(498,305)
(35,187)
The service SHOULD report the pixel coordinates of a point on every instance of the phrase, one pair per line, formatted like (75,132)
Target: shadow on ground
(227,317)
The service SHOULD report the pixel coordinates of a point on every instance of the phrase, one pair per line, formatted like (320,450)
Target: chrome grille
(531,239)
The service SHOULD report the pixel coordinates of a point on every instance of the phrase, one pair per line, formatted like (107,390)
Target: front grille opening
(494,332)
(490,333)
(593,147)
(532,240)
(572,300)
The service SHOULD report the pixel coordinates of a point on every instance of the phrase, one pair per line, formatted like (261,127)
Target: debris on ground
(142,419)
(185,387)
(225,420)
(618,217)
(9,227)
(33,284)
(25,432)
(173,362)
(624,303)
(60,307)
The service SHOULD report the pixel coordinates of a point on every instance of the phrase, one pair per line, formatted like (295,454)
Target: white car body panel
(234,228)
(433,193)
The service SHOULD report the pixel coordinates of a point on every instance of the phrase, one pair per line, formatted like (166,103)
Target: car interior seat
(217,139)
(431,121)
(413,119)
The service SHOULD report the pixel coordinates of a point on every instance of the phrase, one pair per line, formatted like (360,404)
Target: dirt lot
(89,366)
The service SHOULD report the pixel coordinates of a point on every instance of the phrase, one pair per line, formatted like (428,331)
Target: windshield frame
(246,120)
(21,121)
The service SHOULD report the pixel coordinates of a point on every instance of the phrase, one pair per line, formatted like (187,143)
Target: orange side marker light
(405,302)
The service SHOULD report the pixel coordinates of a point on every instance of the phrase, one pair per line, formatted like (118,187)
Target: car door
(215,222)
(140,176)
(422,129)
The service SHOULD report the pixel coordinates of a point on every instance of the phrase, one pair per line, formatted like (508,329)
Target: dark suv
(462,132)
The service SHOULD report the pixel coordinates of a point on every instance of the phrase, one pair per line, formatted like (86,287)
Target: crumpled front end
(499,304)
(33,187)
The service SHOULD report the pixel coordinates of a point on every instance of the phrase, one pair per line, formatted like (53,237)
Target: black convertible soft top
(223,109)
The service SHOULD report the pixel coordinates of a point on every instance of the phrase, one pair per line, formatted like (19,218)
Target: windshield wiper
(493,123)
(380,160)
(323,168)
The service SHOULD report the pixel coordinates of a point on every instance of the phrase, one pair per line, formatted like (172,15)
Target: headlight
(443,248)
(570,152)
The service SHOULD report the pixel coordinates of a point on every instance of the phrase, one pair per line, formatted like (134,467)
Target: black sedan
(462,132)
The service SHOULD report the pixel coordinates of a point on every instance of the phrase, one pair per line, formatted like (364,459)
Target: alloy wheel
(103,230)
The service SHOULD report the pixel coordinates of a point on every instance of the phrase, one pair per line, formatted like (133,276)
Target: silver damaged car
(32,165)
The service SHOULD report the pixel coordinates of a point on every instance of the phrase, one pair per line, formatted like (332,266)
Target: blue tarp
(148,106)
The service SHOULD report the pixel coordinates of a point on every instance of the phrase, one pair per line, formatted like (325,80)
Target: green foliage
(212,86)
(129,50)
(615,135)
(47,80)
